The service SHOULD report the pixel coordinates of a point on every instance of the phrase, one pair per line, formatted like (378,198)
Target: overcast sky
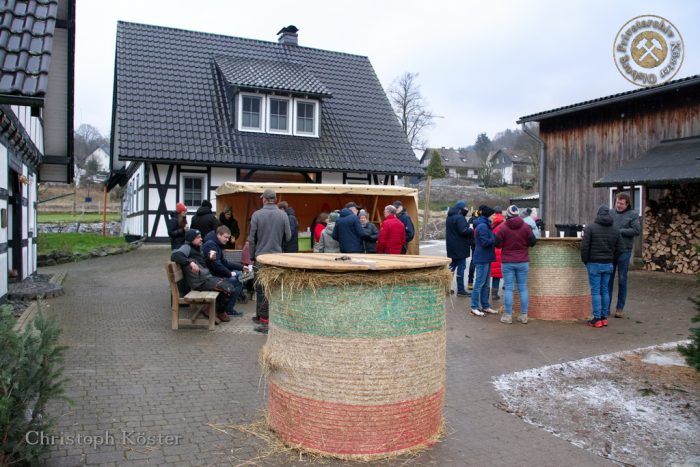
(481,64)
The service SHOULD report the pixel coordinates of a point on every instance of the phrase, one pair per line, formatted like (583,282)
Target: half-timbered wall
(146,207)
(585,146)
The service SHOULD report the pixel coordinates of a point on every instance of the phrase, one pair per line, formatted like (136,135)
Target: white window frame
(290,115)
(182,187)
(637,188)
(317,106)
(263,113)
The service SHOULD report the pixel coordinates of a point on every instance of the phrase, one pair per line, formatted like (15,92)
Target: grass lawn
(68,217)
(74,242)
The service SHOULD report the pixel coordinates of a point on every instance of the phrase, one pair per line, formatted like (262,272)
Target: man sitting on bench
(218,265)
(194,267)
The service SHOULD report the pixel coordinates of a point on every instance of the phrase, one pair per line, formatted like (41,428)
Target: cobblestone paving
(134,382)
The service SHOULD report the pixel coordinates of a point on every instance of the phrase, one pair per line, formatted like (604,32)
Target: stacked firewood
(672,232)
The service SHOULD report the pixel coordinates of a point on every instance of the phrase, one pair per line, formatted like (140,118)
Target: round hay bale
(355,355)
(557,281)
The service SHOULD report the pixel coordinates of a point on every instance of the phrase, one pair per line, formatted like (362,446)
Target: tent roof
(311,188)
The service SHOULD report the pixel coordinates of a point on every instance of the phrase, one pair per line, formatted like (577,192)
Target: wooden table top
(351,261)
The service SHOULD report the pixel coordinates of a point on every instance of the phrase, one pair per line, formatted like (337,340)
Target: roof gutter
(14,99)
(542,191)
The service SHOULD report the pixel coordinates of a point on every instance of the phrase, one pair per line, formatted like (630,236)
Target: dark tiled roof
(670,163)
(453,158)
(246,72)
(172,105)
(26,40)
(614,98)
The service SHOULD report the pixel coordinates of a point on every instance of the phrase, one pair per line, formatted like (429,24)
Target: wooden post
(426,207)
(104,211)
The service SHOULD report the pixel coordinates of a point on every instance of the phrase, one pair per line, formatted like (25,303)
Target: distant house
(97,160)
(458,163)
(36,120)
(193,110)
(514,167)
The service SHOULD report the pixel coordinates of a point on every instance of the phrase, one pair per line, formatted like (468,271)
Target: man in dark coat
(218,265)
(204,220)
(484,255)
(600,247)
(292,245)
(405,219)
(626,220)
(177,226)
(458,237)
(348,232)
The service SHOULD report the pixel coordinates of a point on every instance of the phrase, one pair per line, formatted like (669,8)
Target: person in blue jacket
(484,255)
(348,231)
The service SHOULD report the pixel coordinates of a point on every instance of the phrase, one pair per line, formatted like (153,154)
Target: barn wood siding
(585,146)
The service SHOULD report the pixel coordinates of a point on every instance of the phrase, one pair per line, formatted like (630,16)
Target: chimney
(288,35)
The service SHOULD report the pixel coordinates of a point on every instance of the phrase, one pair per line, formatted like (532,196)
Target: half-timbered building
(193,110)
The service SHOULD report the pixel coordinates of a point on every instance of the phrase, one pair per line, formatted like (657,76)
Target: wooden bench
(202,301)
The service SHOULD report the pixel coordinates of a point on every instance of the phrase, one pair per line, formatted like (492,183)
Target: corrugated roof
(26,40)
(614,98)
(173,104)
(670,163)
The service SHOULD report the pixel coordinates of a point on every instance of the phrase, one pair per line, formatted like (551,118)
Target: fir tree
(692,350)
(436,168)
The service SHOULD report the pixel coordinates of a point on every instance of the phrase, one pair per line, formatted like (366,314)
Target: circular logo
(648,50)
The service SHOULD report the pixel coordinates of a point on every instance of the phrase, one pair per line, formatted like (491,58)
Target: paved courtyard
(134,381)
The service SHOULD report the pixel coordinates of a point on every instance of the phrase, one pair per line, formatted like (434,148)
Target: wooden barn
(592,150)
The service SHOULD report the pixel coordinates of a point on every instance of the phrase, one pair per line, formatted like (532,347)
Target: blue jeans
(460,265)
(598,278)
(622,266)
(480,294)
(231,288)
(515,272)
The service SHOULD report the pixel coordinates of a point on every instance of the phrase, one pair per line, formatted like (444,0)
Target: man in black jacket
(213,252)
(600,248)
(291,245)
(458,238)
(205,220)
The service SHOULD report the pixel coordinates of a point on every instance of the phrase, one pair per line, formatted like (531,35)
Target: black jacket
(176,231)
(204,221)
(458,234)
(408,224)
(601,241)
(220,266)
(232,225)
(292,246)
(370,242)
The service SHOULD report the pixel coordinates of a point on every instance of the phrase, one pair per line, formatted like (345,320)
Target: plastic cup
(546,234)
(561,234)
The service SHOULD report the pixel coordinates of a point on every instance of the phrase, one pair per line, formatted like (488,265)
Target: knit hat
(206,203)
(513,211)
(485,211)
(362,213)
(180,208)
(332,217)
(269,194)
(460,204)
(191,235)
(397,204)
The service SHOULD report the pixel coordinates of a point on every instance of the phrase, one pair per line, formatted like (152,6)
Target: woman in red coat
(392,235)
(496,271)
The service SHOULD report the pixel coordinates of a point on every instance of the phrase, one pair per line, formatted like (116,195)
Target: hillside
(61,197)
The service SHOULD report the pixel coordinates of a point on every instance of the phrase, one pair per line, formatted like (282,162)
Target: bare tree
(86,139)
(531,150)
(411,108)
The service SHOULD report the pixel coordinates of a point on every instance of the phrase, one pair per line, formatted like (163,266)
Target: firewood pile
(672,232)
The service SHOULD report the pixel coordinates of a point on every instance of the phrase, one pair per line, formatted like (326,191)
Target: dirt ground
(61,197)
(638,408)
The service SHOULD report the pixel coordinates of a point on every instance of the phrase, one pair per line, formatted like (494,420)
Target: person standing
(204,220)
(526,214)
(177,226)
(292,245)
(370,243)
(326,243)
(320,224)
(627,222)
(392,235)
(269,230)
(496,270)
(514,238)
(600,248)
(348,232)
(484,255)
(470,282)
(405,219)
(226,218)
(458,238)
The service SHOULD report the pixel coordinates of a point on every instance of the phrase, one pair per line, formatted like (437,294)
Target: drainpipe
(542,180)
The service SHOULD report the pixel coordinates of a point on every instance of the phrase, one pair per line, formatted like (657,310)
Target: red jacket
(496,224)
(515,237)
(392,236)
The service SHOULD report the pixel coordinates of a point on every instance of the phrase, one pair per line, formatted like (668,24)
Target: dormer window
(278,114)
